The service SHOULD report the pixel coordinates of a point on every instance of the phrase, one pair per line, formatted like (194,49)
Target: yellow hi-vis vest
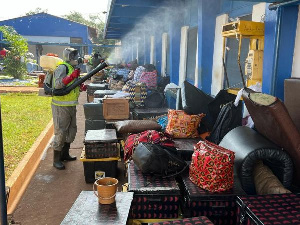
(70,99)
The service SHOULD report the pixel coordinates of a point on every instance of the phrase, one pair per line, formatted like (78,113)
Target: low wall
(22,175)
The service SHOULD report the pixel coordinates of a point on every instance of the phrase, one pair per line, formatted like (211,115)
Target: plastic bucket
(106,189)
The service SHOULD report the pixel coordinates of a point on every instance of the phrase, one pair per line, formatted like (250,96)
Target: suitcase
(94,124)
(154,197)
(268,209)
(140,114)
(101,144)
(91,88)
(93,111)
(102,93)
(220,207)
(185,147)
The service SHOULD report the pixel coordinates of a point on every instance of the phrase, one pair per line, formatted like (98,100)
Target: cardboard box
(115,108)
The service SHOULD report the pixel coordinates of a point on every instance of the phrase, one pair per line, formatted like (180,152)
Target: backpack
(229,117)
(48,82)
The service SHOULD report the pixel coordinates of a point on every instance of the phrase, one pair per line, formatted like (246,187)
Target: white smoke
(157,20)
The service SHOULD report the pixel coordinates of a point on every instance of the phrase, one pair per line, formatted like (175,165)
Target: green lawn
(24,117)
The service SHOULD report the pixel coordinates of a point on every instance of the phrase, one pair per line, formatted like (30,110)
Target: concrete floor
(52,192)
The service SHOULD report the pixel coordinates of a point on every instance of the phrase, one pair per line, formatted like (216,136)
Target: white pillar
(296,60)
(218,70)
(164,52)
(196,66)
(183,54)
(152,50)
(258,12)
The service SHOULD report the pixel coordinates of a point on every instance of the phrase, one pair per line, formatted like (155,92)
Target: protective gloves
(82,87)
(66,80)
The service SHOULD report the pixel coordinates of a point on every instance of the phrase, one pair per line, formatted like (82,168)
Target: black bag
(154,100)
(156,160)
(221,99)
(229,117)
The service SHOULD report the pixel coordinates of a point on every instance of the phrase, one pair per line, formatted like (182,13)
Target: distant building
(46,33)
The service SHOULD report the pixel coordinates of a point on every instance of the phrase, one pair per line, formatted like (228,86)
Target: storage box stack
(201,220)
(93,112)
(219,207)
(91,88)
(100,155)
(154,197)
(141,114)
(269,209)
(115,108)
(102,93)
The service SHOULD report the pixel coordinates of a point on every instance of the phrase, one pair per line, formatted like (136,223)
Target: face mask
(76,61)
(73,62)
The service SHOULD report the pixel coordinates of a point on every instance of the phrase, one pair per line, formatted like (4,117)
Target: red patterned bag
(148,136)
(212,167)
(150,79)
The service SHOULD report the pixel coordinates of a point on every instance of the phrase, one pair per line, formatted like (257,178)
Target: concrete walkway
(52,192)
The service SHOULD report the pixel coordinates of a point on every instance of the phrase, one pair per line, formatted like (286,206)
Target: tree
(18,47)
(37,10)
(96,22)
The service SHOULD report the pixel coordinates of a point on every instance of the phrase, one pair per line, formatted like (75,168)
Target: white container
(49,62)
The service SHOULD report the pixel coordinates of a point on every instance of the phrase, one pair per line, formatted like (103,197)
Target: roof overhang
(123,15)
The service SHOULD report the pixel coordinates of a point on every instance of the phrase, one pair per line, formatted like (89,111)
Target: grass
(24,117)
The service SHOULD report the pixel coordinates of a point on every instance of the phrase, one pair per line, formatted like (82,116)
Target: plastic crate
(154,197)
(101,150)
(94,124)
(96,168)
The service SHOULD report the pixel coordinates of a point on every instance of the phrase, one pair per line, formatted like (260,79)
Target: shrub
(18,47)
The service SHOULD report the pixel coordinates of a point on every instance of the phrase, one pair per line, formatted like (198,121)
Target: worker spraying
(64,107)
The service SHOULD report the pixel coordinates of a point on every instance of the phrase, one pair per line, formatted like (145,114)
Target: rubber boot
(65,153)
(57,163)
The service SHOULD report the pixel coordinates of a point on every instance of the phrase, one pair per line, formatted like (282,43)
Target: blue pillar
(280,32)
(207,13)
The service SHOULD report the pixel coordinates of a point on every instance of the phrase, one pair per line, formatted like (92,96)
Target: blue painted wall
(175,33)
(236,8)
(280,34)
(147,48)
(207,11)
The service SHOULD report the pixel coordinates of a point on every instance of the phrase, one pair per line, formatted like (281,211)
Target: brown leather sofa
(273,121)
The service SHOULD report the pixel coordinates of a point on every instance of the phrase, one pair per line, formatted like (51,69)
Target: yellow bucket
(106,189)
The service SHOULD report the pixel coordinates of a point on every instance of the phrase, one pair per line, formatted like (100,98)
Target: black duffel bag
(157,160)
(154,100)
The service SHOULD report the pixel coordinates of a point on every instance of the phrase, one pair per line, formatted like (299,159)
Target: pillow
(182,125)
(266,182)
(136,126)
(162,121)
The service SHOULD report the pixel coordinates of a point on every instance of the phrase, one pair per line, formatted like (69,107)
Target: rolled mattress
(249,146)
